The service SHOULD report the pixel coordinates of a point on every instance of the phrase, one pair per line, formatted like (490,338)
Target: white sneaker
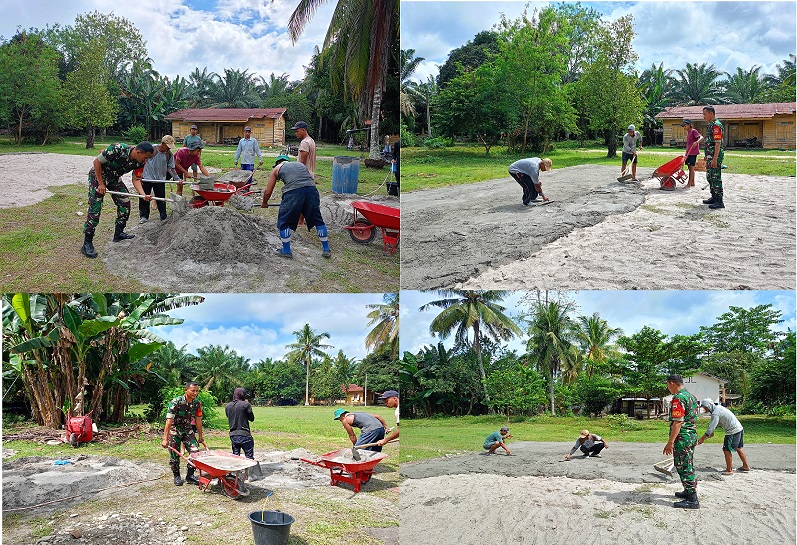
(142,220)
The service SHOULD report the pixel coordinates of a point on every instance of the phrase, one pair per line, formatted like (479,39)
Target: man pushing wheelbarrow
(179,430)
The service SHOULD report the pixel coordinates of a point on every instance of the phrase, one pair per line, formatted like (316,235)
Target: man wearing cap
(715,153)
(693,139)
(590,445)
(496,439)
(186,157)
(630,140)
(306,147)
(391,398)
(239,414)
(734,434)
(248,149)
(526,172)
(106,173)
(299,197)
(682,441)
(156,168)
(195,139)
(372,428)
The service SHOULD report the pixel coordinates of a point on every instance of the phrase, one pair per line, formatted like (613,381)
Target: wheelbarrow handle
(137,195)
(187,459)
(313,462)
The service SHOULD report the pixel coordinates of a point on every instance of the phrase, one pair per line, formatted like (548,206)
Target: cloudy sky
(744,33)
(671,312)
(183,34)
(259,326)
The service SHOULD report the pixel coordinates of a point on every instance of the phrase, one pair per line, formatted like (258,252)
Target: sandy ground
(535,498)
(24,177)
(601,234)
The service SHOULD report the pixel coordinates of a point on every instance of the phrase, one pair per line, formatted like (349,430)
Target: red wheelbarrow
(671,172)
(230,470)
(78,429)
(220,194)
(345,469)
(386,218)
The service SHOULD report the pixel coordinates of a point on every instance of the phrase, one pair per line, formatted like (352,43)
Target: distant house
(357,395)
(226,125)
(637,407)
(767,126)
(700,385)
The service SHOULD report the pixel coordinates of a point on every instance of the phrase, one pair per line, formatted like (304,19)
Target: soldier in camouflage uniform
(715,153)
(683,438)
(109,166)
(179,430)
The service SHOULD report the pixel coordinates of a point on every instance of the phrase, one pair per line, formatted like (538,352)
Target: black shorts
(627,156)
(733,441)
(691,160)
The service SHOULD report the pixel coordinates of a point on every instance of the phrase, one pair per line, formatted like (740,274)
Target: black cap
(299,125)
(686,122)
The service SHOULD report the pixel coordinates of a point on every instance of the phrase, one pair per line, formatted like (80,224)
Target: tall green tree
(234,89)
(423,93)
(647,361)
(745,86)
(220,369)
(479,311)
(200,87)
(385,318)
(468,57)
(781,85)
(550,346)
(698,84)
(409,63)
(308,344)
(744,330)
(595,338)
(655,85)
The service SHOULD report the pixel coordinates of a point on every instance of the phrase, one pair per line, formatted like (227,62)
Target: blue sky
(259,326)
(672,312)
(184,34)
(744,33)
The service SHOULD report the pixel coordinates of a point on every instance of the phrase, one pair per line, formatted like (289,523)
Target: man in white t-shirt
(391,398)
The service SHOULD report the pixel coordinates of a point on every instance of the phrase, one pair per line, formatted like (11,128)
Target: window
(784,132)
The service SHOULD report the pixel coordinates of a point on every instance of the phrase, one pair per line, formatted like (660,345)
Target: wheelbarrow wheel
(363,232)
(73,440)
(668,184)
(229,486)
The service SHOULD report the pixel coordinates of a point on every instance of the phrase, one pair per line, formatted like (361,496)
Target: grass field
(433,437)
(423,168)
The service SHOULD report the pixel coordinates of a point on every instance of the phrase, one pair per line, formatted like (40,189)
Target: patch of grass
(435,437)
(716,220)
(603,514)
(582,493)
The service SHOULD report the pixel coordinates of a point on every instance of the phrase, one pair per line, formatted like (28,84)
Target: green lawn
(432,437)
(423,168)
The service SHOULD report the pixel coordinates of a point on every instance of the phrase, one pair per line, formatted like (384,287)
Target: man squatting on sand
(106,173)
(496,439)
(589,444)
(734,434)
(299,197)
(683,439)
(526,172)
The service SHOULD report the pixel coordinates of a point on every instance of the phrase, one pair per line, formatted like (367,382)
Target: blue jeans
(371,437)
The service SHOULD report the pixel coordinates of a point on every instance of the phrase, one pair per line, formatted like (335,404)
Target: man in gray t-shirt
(734,434)
(299,197)
(372,428)
(526,172)
(630,140)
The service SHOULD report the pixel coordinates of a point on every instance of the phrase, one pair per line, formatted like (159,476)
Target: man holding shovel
(630,140)
(186,157)
(526,172)
(391,398)
(734,434)
(179,431)
(372,428)
(683,439)
(109,166)
(156,168)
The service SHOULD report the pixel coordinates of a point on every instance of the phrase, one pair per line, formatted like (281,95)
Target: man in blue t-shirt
(496,439)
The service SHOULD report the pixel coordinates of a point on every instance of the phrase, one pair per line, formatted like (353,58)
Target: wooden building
(226,125)
(768,126)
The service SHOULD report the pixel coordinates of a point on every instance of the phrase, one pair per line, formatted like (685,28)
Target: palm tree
(785,75)
(201,85)
(236,89)
(385,319)
(550,345)
(363,31)
(745,86)
(655,83)
(464,310)
(697,85)
(345,369)
(595,337)
(220,369)
(425,93)
(308,344)
(409,63)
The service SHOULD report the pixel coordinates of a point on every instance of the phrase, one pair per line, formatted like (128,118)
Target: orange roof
(239,115)
(352,388)
(730,111)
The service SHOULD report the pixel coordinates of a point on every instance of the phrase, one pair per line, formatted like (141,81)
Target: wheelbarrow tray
(344,468)
(378,214)
(239,178)
(221,191)
(671,172)
(217,463)
(386,218)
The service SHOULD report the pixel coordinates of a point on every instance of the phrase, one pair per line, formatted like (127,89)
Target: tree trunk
(428,118)
(478,350)
(307,383)
(89,137)
(553,397)
(611,143)
(376,111)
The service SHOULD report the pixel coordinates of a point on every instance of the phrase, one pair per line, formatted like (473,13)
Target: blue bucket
(345,174)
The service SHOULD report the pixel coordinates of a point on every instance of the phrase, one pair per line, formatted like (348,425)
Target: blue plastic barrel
(345,173)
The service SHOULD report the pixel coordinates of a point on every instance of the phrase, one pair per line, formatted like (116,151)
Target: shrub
(434,143)
(136,134)
(407,138)
(210,415)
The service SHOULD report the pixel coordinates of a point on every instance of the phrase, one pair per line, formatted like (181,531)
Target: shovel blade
(179,204)
(355,454)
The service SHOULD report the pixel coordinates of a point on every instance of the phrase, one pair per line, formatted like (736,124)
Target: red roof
(730,111)
(226,114)
(352,388)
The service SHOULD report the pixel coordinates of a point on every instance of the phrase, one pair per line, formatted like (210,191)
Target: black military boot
(711,200)
(177,480)
(189,477)
(120,235)
(88,247)
(716,204)
(688,503)
(683,494)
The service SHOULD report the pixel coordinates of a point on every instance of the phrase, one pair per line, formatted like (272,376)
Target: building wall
(702,386)
(268,132)
(777,132)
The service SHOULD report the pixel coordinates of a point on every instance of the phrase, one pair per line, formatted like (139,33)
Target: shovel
(627,172)
(179,204)
(665,466)
(356,455)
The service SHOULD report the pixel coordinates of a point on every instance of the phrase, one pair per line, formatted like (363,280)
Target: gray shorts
(488,447)
(733,441)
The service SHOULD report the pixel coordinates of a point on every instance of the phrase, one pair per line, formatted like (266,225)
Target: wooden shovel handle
(373,444)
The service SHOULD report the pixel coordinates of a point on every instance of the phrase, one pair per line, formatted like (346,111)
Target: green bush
(210,415)
(435,143)
(622,422)
(136,134)
(407,138)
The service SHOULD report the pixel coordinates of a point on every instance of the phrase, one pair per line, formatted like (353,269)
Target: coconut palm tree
(385,319)
(551,345)
(308,344)
(466,310)
(235,89)
(745,86)
(409,63)
(364,31)
(424,93)
(655,84)
(697,85)
(595,337)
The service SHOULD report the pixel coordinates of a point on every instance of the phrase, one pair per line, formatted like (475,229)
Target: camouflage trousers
(175,441)
(95,204)
(714,176)
(683,455)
